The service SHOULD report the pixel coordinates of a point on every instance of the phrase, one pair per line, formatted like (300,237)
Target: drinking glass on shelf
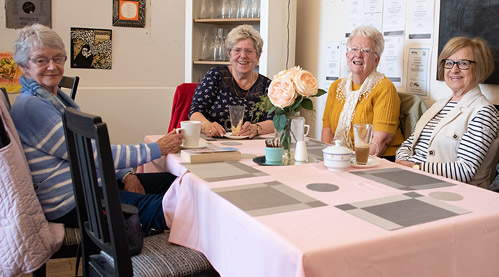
(243,9)
(205,9)
(218,46)
(233,9)
(213,9)
(253,9)
(206,48)
(224,10)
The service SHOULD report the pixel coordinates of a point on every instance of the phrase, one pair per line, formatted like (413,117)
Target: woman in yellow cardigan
(365,96)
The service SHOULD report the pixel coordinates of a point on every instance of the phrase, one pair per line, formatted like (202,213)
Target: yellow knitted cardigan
(380,107)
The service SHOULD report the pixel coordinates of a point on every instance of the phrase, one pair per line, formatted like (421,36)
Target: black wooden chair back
(99,210)
(70,83)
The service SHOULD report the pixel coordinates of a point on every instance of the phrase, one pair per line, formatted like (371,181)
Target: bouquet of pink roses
(289,90)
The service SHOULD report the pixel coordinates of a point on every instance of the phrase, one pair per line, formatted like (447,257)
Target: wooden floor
(61,268)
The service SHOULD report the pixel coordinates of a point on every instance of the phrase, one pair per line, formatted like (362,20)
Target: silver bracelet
(126,174)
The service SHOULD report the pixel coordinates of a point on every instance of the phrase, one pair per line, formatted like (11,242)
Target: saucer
(201,144)
(260,160)
(229,135)
(370,163)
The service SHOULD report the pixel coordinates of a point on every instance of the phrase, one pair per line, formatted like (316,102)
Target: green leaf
(320,92)
(307,104)
(279,121)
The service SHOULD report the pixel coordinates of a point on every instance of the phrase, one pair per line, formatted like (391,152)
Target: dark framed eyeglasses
(43,61)
(461,64)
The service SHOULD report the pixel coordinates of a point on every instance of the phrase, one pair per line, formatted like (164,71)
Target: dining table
(382,219)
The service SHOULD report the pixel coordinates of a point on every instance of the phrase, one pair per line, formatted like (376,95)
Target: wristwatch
(417,166)
(259,129)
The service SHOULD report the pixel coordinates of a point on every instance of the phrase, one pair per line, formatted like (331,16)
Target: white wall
(321,21)
(134,97)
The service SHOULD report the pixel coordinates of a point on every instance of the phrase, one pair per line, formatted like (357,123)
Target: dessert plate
(229,135)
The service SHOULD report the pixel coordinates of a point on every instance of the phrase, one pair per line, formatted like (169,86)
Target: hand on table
(132,184)
(213,129)
(404,163)
(170,143)
(247,129)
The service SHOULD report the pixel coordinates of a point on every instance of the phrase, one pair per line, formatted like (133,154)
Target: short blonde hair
(243,32)
(482,55)
(372,33)
(35,37)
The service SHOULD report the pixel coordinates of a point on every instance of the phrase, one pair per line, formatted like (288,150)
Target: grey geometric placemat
(322,187)
(231,143)
(314,148)
(446,196)
(223,171)
(399,211)
(267,198)
(402,179)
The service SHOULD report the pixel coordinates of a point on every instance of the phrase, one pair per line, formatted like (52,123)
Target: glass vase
(285,139)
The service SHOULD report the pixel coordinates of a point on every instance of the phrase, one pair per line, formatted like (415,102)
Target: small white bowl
(337,157)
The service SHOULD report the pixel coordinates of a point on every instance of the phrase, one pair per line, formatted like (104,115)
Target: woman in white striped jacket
(452,138)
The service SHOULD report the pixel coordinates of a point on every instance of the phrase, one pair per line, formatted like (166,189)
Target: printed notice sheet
(418,71)
(392,60)
(420,23)
(333,58)
(394,17)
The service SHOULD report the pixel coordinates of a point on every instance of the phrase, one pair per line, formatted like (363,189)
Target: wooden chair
(181,104)
(70,83)
(104,244)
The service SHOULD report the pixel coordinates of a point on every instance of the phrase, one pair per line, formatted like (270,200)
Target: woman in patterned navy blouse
(235,85)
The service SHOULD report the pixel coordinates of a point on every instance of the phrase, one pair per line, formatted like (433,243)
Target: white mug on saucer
(191,130)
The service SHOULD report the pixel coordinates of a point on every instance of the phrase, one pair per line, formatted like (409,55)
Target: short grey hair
(243,32)
(372,33)
(35,37)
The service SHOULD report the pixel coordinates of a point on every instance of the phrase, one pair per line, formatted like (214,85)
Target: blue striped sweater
(40,129)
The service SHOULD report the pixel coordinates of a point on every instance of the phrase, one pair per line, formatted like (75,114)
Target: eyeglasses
(43,61)
(248,51)
(461,64)
(357,49)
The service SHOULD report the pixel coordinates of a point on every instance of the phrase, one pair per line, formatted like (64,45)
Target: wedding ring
(209,132)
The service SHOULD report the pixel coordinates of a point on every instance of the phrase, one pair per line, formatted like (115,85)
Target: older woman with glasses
(37,114)
(364,96)
(235,85)
(453,136)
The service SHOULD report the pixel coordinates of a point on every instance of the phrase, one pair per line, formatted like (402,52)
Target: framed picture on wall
(91,48)
(129,13)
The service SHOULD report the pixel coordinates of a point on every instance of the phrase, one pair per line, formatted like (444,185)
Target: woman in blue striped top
(452,138)
(37,114)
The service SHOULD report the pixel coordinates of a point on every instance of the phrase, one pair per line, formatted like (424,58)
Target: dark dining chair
(104,247)
(70,83)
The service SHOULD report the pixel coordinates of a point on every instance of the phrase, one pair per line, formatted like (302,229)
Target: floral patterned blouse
(218,90)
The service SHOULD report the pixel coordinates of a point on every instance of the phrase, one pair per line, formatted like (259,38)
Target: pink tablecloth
(327,241)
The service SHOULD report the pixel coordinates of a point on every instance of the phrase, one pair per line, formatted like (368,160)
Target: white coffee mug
(191,130)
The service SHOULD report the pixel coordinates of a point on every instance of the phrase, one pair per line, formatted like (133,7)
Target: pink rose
(282,93)
(288,73)
(305,83)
